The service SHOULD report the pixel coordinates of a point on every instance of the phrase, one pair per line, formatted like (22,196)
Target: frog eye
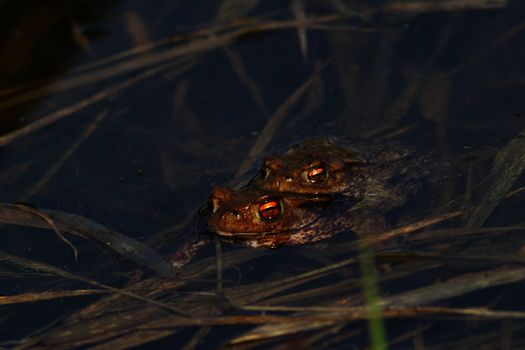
(270,210)
(316,174)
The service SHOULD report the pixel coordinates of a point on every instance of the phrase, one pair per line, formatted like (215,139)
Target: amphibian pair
(319,188)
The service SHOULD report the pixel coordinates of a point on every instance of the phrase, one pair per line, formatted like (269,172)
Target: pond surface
(128,113)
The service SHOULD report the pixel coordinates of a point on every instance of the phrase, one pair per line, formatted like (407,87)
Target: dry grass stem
(275,120)
(78,225)
(75,108)
(47,295)
(55,168)
(34,265)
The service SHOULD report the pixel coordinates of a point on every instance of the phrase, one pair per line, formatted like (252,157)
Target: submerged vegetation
(117,119)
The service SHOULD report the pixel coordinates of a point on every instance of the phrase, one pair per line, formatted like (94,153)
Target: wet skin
(381,174)
(259,218)
(256,217)
(319,188)
(315,190)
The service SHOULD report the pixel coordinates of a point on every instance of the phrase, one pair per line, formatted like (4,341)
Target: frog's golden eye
(270,210)
(316,174)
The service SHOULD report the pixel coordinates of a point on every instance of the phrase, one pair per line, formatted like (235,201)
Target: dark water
(451,81)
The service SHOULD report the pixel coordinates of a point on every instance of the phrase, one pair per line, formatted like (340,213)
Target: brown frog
(380,174)
(259,218)
(256,217)
(317,189)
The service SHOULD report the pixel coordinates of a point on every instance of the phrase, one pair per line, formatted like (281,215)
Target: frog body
(380,174)
(256,217)
(319,188)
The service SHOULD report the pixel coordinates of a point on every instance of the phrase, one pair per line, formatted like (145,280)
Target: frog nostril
(236,214)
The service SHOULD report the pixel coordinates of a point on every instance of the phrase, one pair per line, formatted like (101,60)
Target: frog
(259,218)
(317,189)
(381,174)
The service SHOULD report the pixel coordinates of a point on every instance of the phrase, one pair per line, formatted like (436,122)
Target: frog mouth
(249,235)
(252,235)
